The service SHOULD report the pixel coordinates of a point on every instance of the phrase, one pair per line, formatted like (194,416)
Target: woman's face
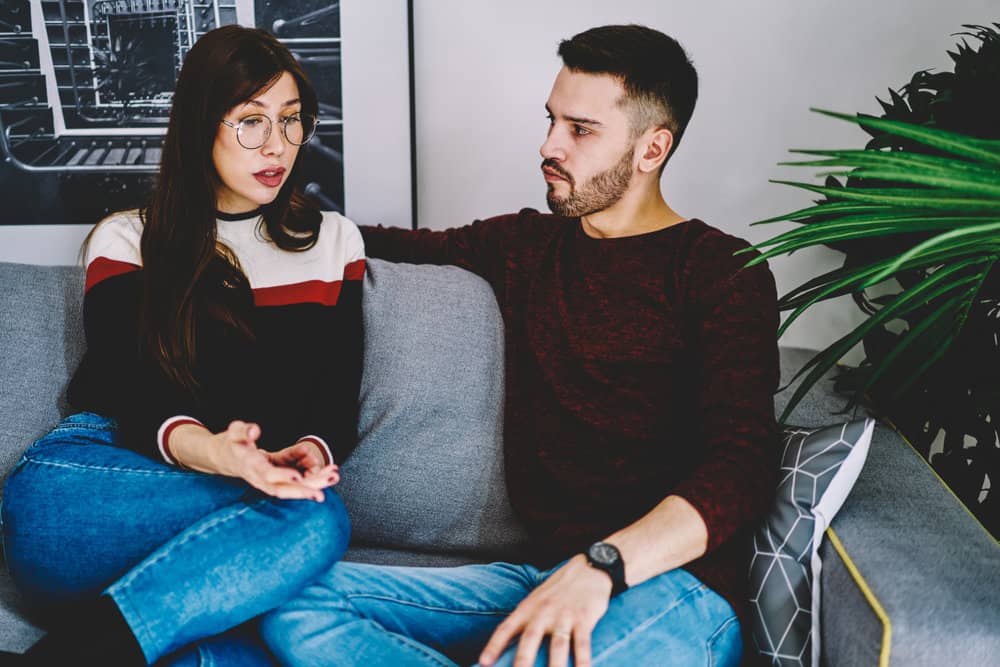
(251,178)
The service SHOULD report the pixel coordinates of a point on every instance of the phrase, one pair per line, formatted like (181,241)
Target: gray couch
(916,580)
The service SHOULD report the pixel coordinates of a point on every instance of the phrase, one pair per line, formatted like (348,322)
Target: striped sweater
(299,374)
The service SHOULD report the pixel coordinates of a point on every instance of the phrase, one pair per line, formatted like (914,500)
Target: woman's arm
(290,473)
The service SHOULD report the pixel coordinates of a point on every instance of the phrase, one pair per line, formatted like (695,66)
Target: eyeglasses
(254,131)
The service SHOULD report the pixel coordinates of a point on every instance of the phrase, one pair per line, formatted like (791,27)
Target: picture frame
(86,88)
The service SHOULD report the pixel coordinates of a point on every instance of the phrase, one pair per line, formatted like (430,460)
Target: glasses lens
(253,131)
(300,128)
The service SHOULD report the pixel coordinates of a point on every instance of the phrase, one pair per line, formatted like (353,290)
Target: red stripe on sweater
(311,291)
(103,268)
(355,270)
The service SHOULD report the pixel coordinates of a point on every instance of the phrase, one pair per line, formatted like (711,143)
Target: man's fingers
(500,639)
(559,647)
(528,645)
(581,647)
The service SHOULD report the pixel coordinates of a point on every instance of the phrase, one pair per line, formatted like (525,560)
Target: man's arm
(571,602)
(479,247)
(730,488)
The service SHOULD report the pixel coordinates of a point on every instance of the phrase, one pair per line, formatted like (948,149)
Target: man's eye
(580,130)
(550,118)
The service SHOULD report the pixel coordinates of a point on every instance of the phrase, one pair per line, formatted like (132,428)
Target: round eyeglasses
(254,131)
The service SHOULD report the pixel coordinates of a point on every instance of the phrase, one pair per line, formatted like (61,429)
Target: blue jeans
(184,555)
(375,616)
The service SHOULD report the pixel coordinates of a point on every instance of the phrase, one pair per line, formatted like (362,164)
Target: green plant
(917,214)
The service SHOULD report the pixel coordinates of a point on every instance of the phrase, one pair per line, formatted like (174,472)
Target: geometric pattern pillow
(818,470)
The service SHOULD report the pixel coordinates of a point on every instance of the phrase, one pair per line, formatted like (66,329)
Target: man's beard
(600,192)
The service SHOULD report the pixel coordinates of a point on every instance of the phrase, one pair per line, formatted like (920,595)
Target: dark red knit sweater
(636,368)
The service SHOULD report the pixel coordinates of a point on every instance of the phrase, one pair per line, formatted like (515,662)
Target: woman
(192,491)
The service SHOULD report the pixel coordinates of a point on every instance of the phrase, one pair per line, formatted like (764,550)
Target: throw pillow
(818,470)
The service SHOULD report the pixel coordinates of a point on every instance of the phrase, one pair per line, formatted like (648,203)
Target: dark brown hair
(180,250)
(660,82)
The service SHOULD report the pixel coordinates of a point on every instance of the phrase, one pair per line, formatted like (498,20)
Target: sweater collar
(230,217)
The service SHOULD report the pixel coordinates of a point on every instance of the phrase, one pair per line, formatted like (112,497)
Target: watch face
(604,554)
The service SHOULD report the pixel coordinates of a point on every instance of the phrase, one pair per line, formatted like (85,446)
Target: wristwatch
(606,557)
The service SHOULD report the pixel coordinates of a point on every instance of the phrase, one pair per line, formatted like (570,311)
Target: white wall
(484,69)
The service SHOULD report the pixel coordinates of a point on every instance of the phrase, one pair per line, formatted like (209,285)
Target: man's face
(588,155)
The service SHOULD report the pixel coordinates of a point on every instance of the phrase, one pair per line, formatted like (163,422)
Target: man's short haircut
(661,84)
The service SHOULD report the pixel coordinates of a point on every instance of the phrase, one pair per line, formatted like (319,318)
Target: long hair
(180,250)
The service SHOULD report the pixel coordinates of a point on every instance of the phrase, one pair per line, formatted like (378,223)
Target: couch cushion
(818,470)
(41,334)
(427,473)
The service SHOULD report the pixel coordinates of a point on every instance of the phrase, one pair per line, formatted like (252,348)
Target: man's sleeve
(736,321)
(479,247)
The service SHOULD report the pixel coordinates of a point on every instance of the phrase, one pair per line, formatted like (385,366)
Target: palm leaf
(984,150)
(920,198)
(927,291)
(984,235)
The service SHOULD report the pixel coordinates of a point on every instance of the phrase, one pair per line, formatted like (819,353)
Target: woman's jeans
(184,555)
(377,616)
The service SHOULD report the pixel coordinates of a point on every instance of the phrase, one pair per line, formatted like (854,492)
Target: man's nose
(552,148)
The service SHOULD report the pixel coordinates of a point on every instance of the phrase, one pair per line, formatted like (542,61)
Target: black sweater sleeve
(112,379)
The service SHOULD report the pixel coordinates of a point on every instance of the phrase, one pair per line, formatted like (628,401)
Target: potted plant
(917,215)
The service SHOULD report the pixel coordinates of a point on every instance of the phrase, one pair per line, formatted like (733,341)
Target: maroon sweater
(636,368)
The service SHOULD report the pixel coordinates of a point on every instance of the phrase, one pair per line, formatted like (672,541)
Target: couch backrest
(41,342)
(428,472)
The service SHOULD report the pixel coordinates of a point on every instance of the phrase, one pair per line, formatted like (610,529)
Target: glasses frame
(238,126)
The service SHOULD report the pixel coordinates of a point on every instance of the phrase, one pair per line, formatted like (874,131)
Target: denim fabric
(374,616)
(184,555)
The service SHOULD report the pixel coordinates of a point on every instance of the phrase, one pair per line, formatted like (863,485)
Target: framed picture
(86,89)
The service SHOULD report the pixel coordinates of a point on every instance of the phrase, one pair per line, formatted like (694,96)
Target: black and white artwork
(86,88)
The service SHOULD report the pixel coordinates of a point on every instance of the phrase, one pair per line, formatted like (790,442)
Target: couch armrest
(908,573)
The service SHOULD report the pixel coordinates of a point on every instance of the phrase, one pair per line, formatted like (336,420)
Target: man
(640,440)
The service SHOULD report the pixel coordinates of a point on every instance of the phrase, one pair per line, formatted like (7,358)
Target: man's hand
(567,606)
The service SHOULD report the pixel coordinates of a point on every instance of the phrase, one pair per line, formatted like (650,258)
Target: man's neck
(635,213)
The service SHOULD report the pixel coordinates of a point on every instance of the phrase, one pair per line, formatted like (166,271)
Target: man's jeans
(185,555)
(374,616)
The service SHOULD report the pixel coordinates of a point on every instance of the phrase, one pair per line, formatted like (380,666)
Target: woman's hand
(306,457)
(291,473)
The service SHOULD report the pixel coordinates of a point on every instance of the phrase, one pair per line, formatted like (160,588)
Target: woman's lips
(270,177)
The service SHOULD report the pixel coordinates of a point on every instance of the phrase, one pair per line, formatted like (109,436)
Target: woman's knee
(324,528)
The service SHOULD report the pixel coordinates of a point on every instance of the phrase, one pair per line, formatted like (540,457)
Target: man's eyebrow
(580,120)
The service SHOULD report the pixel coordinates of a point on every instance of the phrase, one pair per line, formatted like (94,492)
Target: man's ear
(654,147)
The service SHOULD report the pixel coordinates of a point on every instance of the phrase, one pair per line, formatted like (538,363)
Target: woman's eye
(292,120)
(253,121)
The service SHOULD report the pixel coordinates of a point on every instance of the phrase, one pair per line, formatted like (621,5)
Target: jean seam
(700,588)
(411,603)
(140,629)
(715,635)
(103,468)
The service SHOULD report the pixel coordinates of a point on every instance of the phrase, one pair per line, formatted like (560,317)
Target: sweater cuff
(163,436)
(321,443)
